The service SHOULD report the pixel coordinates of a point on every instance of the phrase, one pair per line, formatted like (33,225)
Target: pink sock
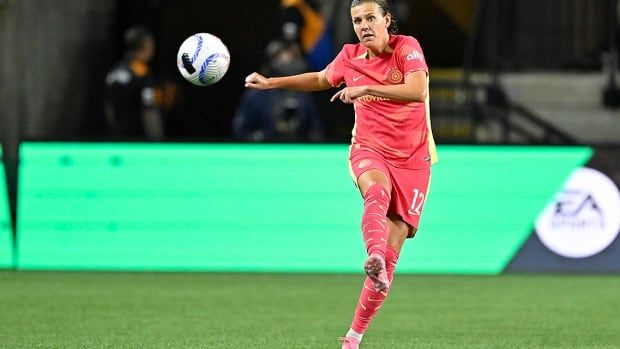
(370,300)
(374,222)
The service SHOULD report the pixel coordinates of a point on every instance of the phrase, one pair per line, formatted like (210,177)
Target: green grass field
(143,310)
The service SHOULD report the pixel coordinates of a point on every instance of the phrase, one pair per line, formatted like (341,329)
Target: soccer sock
(355,335)
(391,258)
(374,222)
(370,300)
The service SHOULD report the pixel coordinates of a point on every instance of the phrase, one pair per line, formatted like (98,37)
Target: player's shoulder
(351,51)
(404,41)
(408,47)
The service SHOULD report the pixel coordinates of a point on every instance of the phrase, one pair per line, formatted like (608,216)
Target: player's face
(370,25)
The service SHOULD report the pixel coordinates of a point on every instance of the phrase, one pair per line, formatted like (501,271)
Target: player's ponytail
(385,8)
(393,28)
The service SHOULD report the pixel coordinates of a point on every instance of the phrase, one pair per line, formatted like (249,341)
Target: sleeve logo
(415,55)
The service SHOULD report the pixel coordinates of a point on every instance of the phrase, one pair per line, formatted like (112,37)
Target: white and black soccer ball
(203,59)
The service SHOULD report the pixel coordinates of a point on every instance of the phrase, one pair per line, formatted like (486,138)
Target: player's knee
(398,232)
(377,191)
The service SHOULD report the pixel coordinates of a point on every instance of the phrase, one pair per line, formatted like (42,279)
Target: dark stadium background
(486,36)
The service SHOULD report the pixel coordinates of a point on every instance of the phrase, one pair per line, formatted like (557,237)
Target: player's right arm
(307,82)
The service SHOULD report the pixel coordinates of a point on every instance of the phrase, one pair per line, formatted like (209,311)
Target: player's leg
(375,188)
(371,300)
(409,189)
(398,233)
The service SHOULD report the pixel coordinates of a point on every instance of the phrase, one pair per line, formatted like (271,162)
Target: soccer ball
(203,59)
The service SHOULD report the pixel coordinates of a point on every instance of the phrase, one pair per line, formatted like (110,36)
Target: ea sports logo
(584,218)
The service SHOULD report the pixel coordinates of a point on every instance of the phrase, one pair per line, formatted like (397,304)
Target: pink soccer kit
(391,136)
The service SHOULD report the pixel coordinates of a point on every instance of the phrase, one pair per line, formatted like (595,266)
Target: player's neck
(372,52)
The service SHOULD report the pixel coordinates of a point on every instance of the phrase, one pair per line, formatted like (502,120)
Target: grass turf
(154,310)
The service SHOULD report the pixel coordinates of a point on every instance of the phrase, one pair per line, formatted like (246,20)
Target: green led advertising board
(268,208)
(6,233)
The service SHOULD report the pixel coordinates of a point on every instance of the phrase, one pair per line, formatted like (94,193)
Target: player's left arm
(412,63)
(413,89)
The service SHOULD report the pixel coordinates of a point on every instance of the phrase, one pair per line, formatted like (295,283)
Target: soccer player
(392,148)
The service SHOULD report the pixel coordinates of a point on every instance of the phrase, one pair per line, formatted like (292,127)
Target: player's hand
(348,95)
(256,81)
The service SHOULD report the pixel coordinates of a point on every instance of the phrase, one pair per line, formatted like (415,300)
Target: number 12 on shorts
(417,202)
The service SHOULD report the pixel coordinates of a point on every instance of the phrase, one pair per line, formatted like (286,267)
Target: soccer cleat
(350,343)
(375,269)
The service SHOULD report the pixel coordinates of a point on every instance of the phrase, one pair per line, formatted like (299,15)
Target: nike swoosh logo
(357,78)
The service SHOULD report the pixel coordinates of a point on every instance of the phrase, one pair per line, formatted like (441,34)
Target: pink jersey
(400,131)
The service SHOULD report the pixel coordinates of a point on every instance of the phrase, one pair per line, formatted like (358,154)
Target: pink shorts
(409,186)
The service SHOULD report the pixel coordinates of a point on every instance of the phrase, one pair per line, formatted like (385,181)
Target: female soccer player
(392,148)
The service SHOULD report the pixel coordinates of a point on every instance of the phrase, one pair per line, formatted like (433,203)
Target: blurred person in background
(278,115)
(304,22)
(131,106)
(392,148)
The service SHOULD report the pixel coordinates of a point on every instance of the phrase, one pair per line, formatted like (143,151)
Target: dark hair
(135,38)
(385,9)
